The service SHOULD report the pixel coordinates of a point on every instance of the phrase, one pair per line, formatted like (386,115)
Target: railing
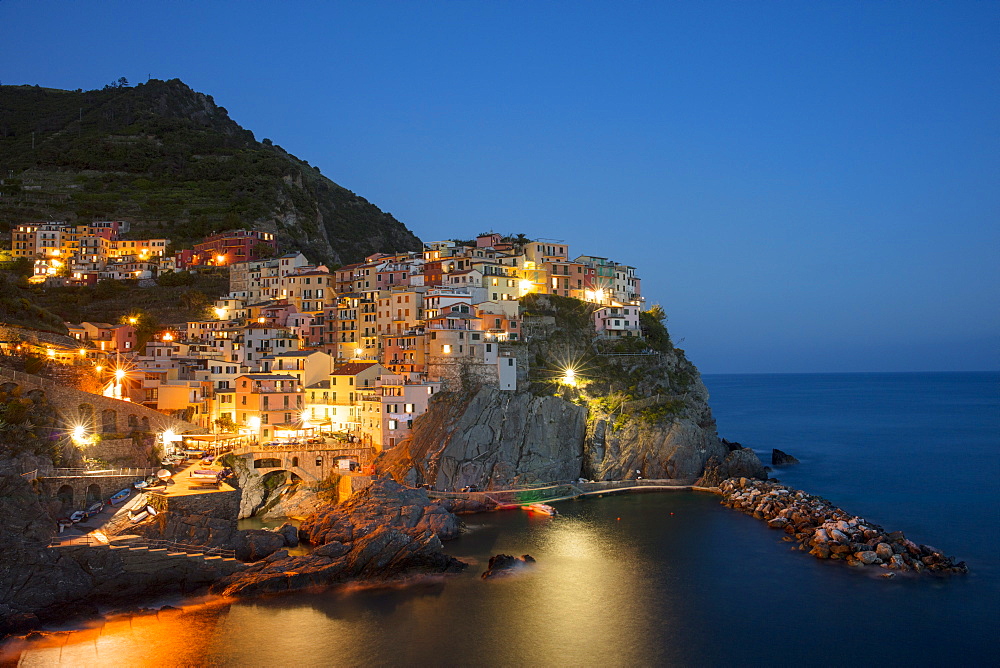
(30,475)
(559,491)
(77,472)
(156,543)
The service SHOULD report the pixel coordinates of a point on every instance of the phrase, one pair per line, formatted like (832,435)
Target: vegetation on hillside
(170,161)
(174,298)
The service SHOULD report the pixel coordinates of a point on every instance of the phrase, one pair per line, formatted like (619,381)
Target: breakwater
(829,532)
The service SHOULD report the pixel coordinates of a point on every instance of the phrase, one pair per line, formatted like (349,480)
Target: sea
(664,579)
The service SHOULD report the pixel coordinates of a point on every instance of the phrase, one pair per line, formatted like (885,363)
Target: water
(671,578)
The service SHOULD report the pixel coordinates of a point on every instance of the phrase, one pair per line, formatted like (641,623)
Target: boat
(77,516)
(94,508)
(119,496)
(540,508)
(164,474)
(151,510)
(204,474)
(139,516)
(63,523)
(142,484)
(507,506)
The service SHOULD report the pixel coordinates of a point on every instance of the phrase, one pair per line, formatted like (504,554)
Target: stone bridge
(98,414)
(310,463)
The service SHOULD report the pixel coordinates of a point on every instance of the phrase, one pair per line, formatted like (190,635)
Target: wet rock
(505,564)
(779,458)
(884,551)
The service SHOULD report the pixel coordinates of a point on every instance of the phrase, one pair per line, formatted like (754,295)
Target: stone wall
(140,452)
(102,415)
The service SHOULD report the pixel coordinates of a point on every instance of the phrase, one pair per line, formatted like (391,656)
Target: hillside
(171,162)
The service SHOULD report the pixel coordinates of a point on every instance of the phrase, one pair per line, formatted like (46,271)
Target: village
(296,352)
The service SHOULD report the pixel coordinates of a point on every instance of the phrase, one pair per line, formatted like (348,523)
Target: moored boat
(540,508)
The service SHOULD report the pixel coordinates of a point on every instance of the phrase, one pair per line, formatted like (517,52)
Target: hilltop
(173,163)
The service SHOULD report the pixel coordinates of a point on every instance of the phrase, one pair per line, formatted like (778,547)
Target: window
(392,425)
(409,408)
(446,349)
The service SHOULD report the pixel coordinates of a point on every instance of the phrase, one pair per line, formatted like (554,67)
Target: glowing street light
(220,313)
(119,374)
(569,377)
(220,259)
(358,352)
(133,321)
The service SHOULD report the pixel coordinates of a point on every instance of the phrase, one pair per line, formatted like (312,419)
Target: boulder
(884,551)
(505,564)
(259,543)
(290,533)
(867,558)
(779,458)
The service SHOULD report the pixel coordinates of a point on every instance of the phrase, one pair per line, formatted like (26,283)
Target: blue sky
(804,186)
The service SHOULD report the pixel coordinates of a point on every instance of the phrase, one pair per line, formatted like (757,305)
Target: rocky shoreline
(829,532)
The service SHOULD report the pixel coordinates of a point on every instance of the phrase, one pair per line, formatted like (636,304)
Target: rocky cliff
(634,408)
(492,439)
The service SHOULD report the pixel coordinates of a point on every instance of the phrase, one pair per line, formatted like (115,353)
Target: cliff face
(492,439)
(637,408)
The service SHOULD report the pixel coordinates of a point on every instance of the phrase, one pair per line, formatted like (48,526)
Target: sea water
(671,578)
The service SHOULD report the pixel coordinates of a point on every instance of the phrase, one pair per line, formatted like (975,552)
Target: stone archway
(65,497)
(266,463)
(93,494)
(133,422)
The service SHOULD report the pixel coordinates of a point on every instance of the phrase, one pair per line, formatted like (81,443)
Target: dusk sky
(804,187)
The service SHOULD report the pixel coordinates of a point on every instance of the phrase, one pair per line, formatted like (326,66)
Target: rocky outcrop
(383,531)
(504,564)
(779,458)
(828,532)
(492,439)
(384,503)
(385,553)
(739,463)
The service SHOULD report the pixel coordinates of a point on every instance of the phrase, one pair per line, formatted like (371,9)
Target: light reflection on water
(662,585)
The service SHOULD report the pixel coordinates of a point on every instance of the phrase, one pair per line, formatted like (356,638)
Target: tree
(262,251)
(225,423)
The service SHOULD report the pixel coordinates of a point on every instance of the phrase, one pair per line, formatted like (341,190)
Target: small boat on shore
(77,516)
(119,496)
(540,508)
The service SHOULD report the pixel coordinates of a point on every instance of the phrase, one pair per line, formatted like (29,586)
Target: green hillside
(172,162)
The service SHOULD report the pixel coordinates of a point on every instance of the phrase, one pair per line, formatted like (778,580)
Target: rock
(505,564)
(777,523)
(779,458)
(868,557)
(259,543)
(385,503)
(290,533)
(838,536)
(333,549)
(884,551)
(384,553)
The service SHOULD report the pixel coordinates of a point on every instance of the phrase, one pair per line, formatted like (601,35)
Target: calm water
(673,578)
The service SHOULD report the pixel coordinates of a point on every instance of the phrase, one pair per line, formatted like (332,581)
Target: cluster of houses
(83,254)
(297,349)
